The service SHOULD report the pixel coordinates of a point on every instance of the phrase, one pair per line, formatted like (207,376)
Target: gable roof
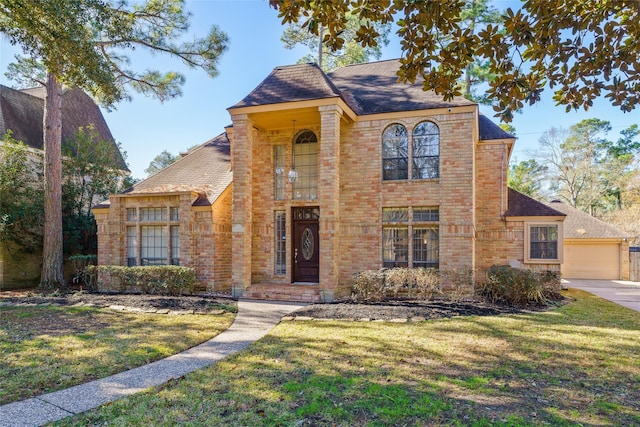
(522,205)
(369,88)
(581,225)
(22,112)
(301,82)
(205,169)
(373,88)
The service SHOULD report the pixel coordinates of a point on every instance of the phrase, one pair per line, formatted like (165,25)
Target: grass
(45,349)
(576,365)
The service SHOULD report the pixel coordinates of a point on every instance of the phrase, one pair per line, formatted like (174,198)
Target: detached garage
(593,249)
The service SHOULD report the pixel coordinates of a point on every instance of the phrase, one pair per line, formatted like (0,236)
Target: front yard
(576,365)
(44,349)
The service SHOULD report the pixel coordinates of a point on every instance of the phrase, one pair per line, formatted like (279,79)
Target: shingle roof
(521,205)
(369,88)
(205,169)
(375,88)
(291,83)
(489,130)
(22,112)
(580,225)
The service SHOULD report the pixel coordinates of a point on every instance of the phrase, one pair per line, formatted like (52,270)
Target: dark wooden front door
(306,245)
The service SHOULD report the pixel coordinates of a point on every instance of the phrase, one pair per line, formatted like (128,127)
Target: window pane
(153,245)
(132,246)
(175,244)
(543,241)
(305,154)
(395,153)
(280,263)
(174,214)
(153,214)
(279,171)
(132,214)
(426,151)
(395,214)
(426,246)
(426,214)
(395,247)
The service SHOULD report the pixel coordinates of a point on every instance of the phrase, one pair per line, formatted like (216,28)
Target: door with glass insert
(306,245)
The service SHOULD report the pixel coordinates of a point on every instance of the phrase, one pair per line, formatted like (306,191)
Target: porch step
(280,292)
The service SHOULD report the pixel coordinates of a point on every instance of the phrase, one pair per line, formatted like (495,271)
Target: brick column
(242,157)
(329,196)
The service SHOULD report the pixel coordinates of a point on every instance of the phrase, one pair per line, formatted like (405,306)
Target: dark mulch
(197,303)
(387,310)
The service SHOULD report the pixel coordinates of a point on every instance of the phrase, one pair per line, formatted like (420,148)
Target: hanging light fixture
(292,176)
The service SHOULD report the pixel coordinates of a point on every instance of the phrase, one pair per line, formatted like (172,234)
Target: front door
(306,245)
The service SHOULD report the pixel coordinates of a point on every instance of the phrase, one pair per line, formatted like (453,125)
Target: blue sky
(145,127)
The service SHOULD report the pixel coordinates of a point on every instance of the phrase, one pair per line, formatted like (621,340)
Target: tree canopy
(161,161)
(580,49)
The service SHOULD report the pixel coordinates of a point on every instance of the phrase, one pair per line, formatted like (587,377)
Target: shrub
(395,283)
(460,282)
(160,279)
(515,286)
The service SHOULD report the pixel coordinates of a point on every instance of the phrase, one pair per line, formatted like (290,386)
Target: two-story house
(321,176)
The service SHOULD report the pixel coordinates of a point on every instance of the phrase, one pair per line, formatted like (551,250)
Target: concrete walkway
(627,294)
(253,321)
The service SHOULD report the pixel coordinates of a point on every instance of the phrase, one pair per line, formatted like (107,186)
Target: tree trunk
(52,277)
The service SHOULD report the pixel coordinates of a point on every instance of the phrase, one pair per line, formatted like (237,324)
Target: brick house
(330,174)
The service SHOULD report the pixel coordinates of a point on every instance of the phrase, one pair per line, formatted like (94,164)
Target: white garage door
(591,261)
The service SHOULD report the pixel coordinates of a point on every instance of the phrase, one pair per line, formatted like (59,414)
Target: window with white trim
(153,236)
(543,243)
(422,249)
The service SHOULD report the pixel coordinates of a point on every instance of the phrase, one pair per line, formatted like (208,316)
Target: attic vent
(556,201)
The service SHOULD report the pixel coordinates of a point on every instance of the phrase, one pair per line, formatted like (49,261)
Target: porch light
(292,176)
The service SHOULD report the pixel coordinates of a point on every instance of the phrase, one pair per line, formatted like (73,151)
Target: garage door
(591,261)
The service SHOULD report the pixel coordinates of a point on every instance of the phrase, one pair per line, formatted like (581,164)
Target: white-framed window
(410,237)
(543,242)
(418,160)
(153,236)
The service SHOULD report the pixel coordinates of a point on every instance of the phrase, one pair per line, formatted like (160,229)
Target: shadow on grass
(576,365)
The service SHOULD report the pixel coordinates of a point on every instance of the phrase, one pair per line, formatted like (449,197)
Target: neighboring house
(333,174)
(21,111)
(592,249)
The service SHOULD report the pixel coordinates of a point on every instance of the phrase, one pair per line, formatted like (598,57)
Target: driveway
(626,294)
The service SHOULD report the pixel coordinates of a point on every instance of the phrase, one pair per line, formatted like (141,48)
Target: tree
(21,196)
(527,177)
(351,51)
(160,162)
(91,172)
(81,43)
(583,167)
(580,49)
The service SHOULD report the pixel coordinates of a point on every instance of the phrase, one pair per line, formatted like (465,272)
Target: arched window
(426,151)
(395,153)
(305,162)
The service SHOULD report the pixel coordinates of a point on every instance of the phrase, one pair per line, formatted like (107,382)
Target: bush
(396,283)
(161,279)
(508,285)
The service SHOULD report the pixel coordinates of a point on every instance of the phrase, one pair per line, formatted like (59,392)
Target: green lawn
(44,349)
(576,365)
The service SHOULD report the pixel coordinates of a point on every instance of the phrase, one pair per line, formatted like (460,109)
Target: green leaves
(582,48)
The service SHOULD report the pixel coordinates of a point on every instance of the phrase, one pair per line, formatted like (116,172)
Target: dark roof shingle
(491,131)
(22,112)
(521,205)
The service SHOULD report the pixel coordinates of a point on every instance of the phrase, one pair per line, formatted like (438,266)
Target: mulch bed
(389,310)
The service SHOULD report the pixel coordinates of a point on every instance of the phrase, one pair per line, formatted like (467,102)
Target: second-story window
(305,162)
(418,160)
(395,153)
